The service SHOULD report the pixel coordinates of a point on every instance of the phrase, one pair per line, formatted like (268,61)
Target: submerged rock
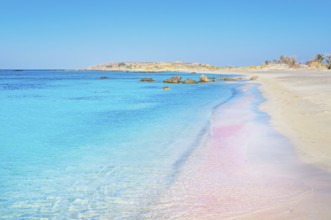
(174,79)
(103,77)
(147,80)
(166,88)
(190,81)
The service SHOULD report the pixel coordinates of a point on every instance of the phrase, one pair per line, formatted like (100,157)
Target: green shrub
(328,61)
(319,58)
(290,61)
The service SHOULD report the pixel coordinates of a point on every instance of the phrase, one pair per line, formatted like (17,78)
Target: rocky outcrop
(147,80)
(190,81)
(166,88)
(174,79)
(103,77)
(204,79)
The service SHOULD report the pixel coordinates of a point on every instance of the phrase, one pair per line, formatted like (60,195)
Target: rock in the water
(204,79)
(147,80)
(213,79)
(174,79)
(104,77)
(166,88)
(254,78)
(190,81)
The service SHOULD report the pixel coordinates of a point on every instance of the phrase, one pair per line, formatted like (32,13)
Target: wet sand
(245,169)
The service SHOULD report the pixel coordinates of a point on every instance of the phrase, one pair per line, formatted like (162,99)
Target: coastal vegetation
(328,61)
(319,62)
(288,60)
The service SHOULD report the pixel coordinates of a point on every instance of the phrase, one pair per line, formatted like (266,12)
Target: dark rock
(174,79)
(103,77)
(231,79)
(190,81)
(147,80)
(166,88)
(213,79)
(204,79)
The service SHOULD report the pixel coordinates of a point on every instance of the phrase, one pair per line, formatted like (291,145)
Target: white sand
(299,104)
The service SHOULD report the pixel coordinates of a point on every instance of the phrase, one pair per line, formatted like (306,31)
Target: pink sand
(242,169)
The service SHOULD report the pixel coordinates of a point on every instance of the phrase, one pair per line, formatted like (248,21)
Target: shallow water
(74,146)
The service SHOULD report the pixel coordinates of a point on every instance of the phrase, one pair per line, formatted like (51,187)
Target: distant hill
(155,67)
(150,67)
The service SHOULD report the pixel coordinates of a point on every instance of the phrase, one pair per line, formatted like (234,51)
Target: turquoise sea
(73,146)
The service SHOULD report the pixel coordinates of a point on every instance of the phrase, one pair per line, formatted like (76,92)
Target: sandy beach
(299,104)
(246,169)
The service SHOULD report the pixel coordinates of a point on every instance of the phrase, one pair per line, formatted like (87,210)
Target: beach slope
(299,104)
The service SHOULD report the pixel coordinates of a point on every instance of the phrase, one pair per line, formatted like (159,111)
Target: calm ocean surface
(73,146)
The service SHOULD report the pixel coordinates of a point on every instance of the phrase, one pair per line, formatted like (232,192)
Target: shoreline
(299,105)
(245,169)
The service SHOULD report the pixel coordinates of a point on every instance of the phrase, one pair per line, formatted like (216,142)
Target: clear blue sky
(80,33)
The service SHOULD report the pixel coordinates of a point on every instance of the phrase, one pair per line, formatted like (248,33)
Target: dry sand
(299,104)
